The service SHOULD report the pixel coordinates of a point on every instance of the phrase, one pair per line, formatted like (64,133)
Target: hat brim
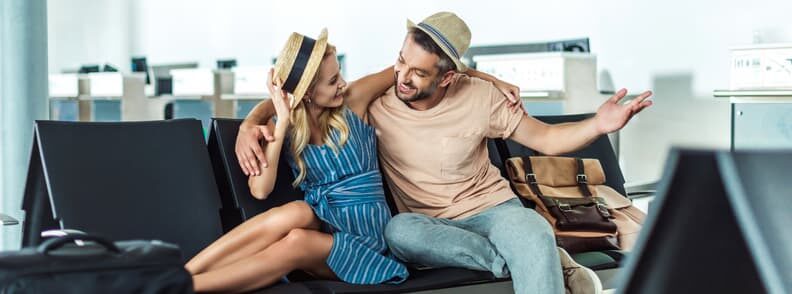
(459,65)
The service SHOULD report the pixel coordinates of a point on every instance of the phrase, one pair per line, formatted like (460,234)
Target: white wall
(88,32)
(677,48)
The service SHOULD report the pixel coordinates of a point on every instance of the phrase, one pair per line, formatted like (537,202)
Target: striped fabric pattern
(345,191)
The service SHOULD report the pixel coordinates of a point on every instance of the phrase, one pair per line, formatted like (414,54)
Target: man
(432,128)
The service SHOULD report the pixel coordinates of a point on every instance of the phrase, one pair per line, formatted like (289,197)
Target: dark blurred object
(163,79)
(719,224)
(88,69)
(577,45)
(139,64)
(169,110)
(164,86)
(226,63)
(109,68)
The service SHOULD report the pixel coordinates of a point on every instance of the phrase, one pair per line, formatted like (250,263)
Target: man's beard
(420,95)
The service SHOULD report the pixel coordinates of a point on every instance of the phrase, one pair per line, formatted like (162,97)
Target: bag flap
(613,198)
(556,171)
(562,192)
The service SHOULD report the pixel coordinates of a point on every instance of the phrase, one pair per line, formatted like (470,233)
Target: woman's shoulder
(354,118)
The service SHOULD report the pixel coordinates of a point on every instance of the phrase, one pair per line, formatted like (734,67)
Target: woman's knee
(299,210)
(295,214)
(296,238)
(305,247)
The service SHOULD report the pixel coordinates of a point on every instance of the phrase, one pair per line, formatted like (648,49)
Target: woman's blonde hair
(329,120)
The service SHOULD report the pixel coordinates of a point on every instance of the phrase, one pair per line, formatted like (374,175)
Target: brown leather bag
(570,194)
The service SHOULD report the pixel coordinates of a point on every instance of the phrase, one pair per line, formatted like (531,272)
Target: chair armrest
(638,190)
(60,233)
(7,220)
(64,232)
(632,195)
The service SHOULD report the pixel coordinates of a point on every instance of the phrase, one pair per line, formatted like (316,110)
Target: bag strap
(581,179)
(530,177)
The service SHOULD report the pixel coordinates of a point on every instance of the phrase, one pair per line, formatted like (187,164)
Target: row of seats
(160,180)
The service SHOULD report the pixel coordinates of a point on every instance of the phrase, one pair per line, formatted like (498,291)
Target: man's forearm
(260,114)
(484,76)
(569,137)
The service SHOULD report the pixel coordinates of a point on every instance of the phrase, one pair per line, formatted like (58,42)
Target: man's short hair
(444,63)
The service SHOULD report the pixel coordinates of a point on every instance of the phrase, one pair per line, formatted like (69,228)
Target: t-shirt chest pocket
(458,155)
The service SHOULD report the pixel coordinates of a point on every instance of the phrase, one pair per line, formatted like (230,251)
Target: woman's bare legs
(303,249)
(253,236)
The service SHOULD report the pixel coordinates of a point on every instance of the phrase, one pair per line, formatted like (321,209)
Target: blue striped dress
(345,191)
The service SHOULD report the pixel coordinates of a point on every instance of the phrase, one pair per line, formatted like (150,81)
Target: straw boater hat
(449,32)
(298,63)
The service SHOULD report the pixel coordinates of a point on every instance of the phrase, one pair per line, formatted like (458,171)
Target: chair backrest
(123,180)
(719,224)
(600,149)
(238,203)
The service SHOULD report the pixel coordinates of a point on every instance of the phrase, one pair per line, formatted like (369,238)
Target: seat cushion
(431,279)
(420,280)
(599,260)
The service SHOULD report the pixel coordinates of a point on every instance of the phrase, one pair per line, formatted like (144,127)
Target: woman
(337,231)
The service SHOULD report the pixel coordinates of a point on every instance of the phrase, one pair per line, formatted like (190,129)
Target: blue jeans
(507,239)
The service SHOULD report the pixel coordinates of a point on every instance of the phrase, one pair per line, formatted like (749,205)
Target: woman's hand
(279,98)
(511,92)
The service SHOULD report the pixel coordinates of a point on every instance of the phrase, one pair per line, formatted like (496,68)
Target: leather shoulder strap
(530,177)
(582,180)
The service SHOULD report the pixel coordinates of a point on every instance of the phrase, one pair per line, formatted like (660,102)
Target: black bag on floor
(98,266)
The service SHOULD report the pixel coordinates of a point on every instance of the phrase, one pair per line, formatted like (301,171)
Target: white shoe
(578,279)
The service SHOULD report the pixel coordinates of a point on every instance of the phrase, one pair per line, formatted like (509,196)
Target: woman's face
(329,86)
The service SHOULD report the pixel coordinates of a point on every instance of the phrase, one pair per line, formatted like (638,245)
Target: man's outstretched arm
(568,137)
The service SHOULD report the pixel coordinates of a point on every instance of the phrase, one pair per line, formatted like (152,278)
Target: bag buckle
(603,209)
(565,207)
(582,179)
(530,178)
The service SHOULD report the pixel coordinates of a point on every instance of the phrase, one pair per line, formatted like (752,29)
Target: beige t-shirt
(436,161)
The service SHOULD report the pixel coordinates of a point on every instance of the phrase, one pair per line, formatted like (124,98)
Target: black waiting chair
(238,204)
(236,194)
(222,139)
(720,224)
(123,180)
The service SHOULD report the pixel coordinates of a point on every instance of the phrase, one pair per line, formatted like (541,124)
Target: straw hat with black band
(449,32)
(298,63)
